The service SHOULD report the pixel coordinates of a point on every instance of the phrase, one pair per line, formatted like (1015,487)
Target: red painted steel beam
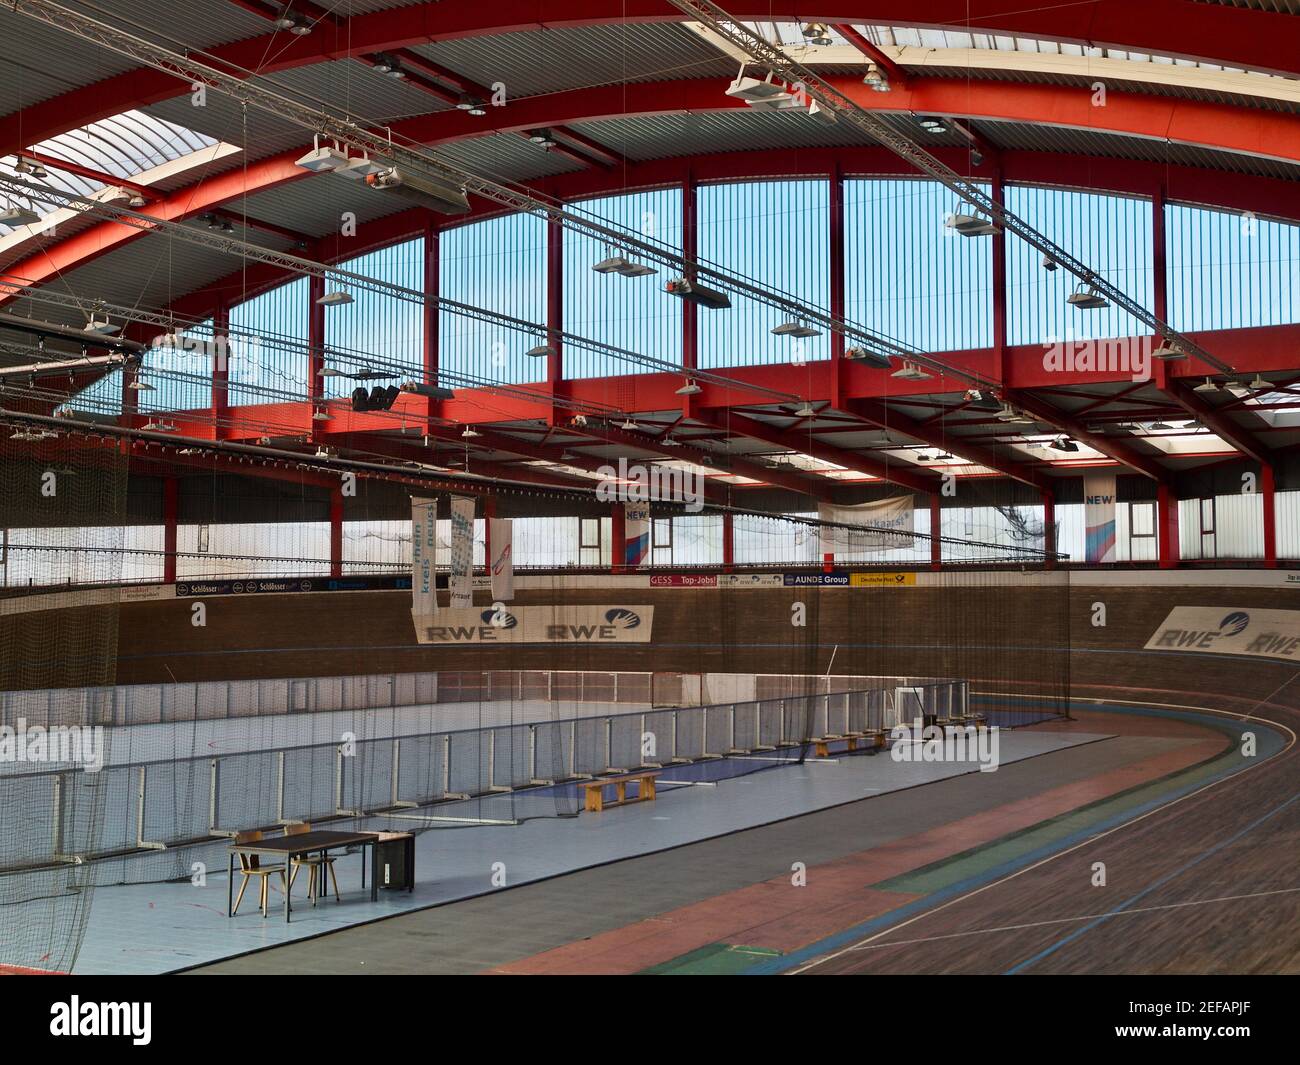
(1118,450)
(904,475)
(1220,424)
(1214,125)
(896,74)
(931,434)
(1252,39)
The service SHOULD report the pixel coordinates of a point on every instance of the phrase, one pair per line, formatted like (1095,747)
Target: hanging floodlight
(337,298)
(1049,264)
(969,224)
(101,327)
(630,426)
(871,358)
(1260,385)
(795,328)
(818,33)
(936,126)
(910,371)
(469,433)
(321,160)
(1206,386)
(141,385)
(876,78)
(539,352)
(329,371)
(1166,352)
(689,389)
(1065,444)
(19,216)
(697,293)
(806,411)
(1087,298)
(319,415)
(470,104)
(389,65)
(543,138)
(1238,388)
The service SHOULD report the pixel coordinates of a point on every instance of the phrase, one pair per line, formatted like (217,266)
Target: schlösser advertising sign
(537,624)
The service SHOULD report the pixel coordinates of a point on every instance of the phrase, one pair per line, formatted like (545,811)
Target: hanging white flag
(424,528)
(883,523)
(502,562)
(460,579)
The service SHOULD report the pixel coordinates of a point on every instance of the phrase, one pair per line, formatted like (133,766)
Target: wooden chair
(250,865)
(316,865)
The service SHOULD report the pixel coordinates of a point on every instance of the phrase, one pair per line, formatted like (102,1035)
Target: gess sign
(506,624)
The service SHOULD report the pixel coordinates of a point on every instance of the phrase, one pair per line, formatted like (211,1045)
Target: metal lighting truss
(314,116)
(772,59)
(221,242)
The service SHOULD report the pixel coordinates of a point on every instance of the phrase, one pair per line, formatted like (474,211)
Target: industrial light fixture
(322,452)
(295,24)
(795,328)
(1166,352)
(876,78)
(361,167)
(969,224)
(432,391)
(1086,298)
(1049,263)
(668,441)
(320,160)
(762,94)
(543,138)
(976,157)
(1159,426)
(1238,388)
(934,125)
(697,293)
(1065,444)
(630,426)
(329,371)
(689,389)
(871,358)
(1260,385)
(319,415)
(540,351)
(101,327)
(806,411)
(817,33)
(19,216)
(1206,386)
(336,298)
(141,385)
(618,264)
(388,64)
(136,200)
(471,104)
(909,371)
(469,433)
(983,400)
(423,189)
(31,167)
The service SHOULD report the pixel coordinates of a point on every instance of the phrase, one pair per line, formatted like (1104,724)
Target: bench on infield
(594,797)
(852,740)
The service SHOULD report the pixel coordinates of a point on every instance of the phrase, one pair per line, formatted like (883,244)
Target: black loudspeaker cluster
(381,397)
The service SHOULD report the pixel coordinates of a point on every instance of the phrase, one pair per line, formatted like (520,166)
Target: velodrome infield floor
(727,904)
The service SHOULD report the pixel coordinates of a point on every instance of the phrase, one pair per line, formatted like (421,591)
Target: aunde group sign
(537,624)
(1230,631)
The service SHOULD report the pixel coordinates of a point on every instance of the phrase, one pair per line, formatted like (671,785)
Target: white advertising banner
(883,523)
(1224,630)
(1099,516)
(540,624)
(636,535)
(424,539)
(460,577)
(502,562)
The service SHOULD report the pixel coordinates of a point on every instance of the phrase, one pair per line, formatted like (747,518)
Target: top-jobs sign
(1230,631)
(538,624)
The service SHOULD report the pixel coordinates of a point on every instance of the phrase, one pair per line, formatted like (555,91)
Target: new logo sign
(1220,630)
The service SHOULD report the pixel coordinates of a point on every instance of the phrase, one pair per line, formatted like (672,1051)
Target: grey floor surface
(478,934)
